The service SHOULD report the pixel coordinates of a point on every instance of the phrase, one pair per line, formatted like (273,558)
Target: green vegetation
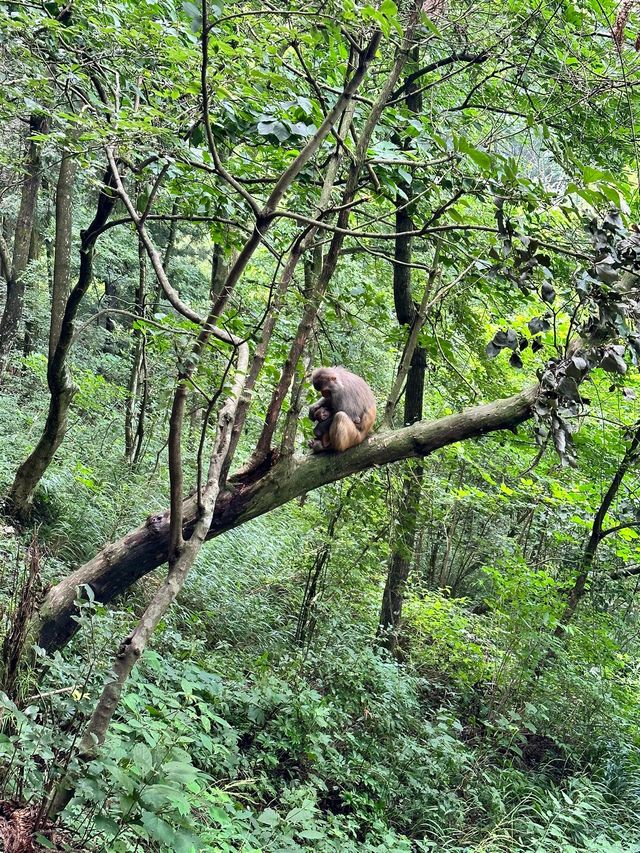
(213,639)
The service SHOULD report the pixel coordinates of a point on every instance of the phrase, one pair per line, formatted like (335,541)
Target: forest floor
(24,830)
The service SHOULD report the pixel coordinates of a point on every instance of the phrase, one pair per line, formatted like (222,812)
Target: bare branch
(154,192)
(170,292)
(624,526)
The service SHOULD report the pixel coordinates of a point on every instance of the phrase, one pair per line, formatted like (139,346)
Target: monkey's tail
(344,433)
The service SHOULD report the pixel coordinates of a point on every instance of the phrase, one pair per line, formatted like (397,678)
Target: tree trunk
(31,294)
(58,376)
(578,589)
(144,549)
(110,301)
(14,303)
(134,424)
(62,247)
(5,263)
(402,548)
(220,267)
(316,577)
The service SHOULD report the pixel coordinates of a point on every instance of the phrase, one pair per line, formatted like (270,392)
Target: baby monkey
(323,418)
(346,412)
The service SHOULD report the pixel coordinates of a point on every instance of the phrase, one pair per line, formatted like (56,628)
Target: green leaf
(299,815)
(141,758)
(273,127)
(194,13)
(103,823)
(480,158)
(426,21)
(185,842)
(311,834)
(142,201)
(158,829)
(591,175)
(179,771)
(160,795)
(269,817)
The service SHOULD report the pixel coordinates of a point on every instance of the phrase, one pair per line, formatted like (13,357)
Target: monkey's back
(356,398)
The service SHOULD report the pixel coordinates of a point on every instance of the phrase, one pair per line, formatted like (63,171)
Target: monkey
(324,418)
(345,414)
(322,414)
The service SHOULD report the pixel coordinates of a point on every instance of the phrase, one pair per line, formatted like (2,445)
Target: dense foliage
(427,643)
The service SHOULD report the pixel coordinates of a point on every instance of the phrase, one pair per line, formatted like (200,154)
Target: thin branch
(173,217)
(289,175)
(627,572)
(384,235)
(624,526)
(579,587)
(458,56)
(154,192)
(211,143)
(170,292)
(133,316)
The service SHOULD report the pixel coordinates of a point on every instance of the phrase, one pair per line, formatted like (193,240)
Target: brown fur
(351,405)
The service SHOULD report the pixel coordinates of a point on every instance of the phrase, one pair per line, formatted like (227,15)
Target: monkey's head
(325,380)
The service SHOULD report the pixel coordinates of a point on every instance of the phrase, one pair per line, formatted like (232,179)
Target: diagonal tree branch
(144,549)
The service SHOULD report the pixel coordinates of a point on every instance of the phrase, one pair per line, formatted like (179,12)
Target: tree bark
(403,546)
(36,244)
(5,261)
(62,247)
(144,549)
(14,303)
(135,412)
(316,577)
(220,266)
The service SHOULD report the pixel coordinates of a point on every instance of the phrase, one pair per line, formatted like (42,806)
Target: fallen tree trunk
(119,564)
